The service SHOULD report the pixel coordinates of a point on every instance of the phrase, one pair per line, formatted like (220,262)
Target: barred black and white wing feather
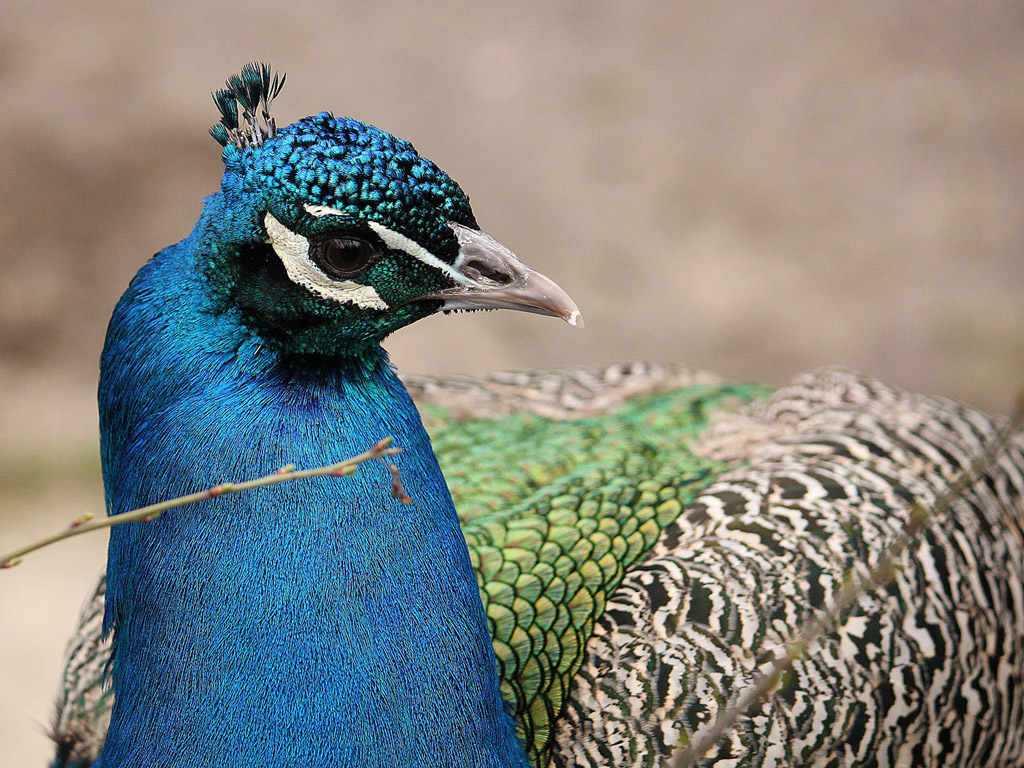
(926,672)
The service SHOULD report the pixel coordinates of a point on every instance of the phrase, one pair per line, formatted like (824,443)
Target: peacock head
(329,234)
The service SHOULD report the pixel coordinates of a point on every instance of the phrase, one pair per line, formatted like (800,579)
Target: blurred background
(751,188)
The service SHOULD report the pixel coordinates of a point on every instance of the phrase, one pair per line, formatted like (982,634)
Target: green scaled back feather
(554,511)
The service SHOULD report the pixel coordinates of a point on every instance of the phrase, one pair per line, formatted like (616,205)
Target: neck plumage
(313,623)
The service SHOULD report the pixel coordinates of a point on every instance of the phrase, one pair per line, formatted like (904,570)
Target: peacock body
(631,545)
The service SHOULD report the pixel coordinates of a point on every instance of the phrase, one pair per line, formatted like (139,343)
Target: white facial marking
(293,250)
(397,242)
(400,242)
(322,210)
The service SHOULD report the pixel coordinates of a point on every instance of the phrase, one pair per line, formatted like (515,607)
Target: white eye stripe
(322,210)
(293,250)
(398,242)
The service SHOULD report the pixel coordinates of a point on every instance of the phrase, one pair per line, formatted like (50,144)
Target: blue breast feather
(287,604)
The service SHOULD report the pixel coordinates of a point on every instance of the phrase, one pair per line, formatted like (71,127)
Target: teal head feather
(329,234)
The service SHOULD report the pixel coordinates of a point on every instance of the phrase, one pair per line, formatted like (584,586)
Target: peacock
(583,568)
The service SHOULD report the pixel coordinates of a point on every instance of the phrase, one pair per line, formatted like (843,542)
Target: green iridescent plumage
(554,511)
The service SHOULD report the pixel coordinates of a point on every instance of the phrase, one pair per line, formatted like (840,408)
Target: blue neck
(305,624)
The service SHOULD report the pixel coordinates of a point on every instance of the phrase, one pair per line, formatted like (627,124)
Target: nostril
(480,270)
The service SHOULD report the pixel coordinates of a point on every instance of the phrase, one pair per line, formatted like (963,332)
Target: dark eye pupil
(342,256)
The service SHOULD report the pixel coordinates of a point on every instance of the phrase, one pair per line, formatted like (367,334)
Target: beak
(490,276)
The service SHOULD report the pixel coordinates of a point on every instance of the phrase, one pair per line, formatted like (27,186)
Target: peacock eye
(342,257)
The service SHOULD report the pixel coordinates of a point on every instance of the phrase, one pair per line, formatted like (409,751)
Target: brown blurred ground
(754,188)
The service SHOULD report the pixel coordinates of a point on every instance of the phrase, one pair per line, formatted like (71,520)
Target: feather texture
(608,560)
(639,564)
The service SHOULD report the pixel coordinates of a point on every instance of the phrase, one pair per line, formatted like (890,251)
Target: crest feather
(252,89)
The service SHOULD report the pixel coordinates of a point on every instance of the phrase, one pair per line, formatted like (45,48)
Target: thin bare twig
(850,590)
(397,486)
(285,474)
